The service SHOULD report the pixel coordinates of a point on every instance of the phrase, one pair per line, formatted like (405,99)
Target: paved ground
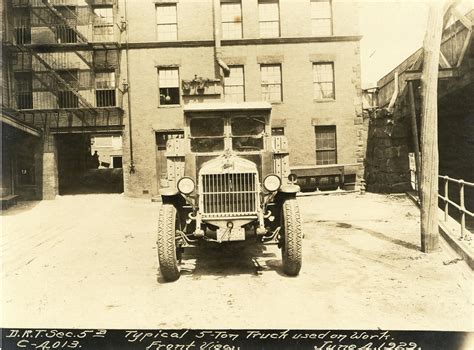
(89,261)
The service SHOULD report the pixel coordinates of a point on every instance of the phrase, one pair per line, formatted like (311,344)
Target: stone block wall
(389,142)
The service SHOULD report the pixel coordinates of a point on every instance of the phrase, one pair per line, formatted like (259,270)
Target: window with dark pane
(67,33)
(326,147)
(66,96)
(105,89)
(168,80)
(163,136)
(22,24)
(24,90)
(278,131)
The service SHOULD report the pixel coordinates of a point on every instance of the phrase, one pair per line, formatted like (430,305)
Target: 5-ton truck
(228,180)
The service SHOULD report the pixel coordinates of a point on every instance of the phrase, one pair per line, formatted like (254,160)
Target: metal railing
(461,206)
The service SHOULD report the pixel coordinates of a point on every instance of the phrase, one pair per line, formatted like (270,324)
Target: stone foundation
(389,142)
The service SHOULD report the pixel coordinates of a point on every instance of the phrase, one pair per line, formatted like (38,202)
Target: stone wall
(389,142)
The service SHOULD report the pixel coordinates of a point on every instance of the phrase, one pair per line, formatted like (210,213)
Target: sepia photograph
(237,174)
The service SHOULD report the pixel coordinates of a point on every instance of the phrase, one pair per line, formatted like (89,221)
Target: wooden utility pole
(429,128)
(414,132)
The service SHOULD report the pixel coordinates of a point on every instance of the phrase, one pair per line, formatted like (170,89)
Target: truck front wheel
(166,243)
(291,247)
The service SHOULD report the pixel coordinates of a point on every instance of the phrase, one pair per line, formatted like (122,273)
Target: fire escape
(65,65)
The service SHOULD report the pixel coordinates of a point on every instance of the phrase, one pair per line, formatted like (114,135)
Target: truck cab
(228,180)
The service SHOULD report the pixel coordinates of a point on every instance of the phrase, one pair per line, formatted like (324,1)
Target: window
(269,19)
(323,81)
(247,133)
(207,134)
(278,131)
(166,20)
(102,141)
(271,82)
(231,13)
(67,33)
(321,17)
(325,145)
(163,137)
(67,98)
(24,90)
(234,85)
(168,80)
(117,162)
(22,23)
(105,89)
(103,22)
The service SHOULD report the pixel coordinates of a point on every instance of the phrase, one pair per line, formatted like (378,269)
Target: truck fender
(169,192)
(289,188)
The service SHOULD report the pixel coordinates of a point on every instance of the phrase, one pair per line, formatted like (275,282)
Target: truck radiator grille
(224,194)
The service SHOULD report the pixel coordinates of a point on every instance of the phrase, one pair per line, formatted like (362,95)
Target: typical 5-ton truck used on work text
(228,180)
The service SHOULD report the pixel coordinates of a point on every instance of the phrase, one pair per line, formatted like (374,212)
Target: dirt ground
(89,261)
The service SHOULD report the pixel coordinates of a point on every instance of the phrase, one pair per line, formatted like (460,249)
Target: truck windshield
(247,133)
(207,134)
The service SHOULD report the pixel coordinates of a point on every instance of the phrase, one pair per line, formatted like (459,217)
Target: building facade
(61,73)
(128,67)
(302,56)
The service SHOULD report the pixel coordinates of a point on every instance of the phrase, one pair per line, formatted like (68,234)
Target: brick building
(147,59)
(60,78)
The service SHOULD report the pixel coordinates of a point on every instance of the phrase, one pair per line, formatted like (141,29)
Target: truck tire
(291,248)
(166,243)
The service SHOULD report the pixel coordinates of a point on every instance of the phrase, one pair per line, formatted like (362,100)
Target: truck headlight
(186,185)
(272,183)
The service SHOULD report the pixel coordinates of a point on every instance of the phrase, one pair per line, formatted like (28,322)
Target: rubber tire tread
(292,247)
(166,243)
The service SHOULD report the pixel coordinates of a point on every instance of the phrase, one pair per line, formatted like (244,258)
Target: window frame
(278,131)
(161,135)
(67,98)
(98,24)
(177,87)
(278,21)
(333,81)
(235,85)
(23,87)
(175,23)
(67,34)
(233,2)
(326,128)
(330,18)
(22,25)
(281,81)
(112,88)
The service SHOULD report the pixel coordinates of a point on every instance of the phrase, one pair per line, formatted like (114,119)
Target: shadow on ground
(228,259)
(20,207)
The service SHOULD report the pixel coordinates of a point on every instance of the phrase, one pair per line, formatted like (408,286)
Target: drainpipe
(217,38)
(127,90)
